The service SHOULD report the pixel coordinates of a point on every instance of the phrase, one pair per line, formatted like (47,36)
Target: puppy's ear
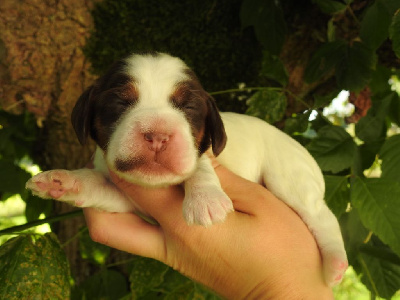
(215,127)
(81,117)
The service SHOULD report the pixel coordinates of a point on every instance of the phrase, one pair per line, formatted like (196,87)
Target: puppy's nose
(156,141)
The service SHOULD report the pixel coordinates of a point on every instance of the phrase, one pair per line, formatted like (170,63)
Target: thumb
(126,232)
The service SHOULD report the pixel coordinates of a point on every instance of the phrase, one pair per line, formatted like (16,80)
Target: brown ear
(81,117)
(215,127)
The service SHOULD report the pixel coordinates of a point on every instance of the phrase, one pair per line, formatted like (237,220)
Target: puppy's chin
(150,174)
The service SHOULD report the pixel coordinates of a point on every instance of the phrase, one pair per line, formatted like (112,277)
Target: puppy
(153,122)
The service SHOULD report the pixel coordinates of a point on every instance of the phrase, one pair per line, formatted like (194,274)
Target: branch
(19,228)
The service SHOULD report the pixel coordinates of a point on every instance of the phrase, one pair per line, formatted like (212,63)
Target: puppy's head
(152,119)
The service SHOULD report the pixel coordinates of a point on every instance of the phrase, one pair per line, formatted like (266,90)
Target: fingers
(247,197)
(126,232)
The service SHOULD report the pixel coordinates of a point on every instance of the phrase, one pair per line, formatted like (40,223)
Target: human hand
(263,250)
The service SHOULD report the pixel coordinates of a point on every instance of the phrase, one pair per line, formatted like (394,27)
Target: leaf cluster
(18,134)
(368,208)
(206,34)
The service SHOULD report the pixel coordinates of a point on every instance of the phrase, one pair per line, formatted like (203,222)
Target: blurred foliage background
(324,71)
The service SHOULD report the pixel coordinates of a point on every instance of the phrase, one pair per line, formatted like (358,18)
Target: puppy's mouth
(146,166)
(130,164)
(126,165)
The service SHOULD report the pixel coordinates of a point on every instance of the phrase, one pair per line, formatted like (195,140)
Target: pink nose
(156,141)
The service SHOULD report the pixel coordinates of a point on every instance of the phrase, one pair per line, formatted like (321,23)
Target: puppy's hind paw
(334,269)
(55,184)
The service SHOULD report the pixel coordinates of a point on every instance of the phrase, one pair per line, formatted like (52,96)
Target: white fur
(255,150)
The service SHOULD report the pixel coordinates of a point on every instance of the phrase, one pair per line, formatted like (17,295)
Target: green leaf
(394,33)
(380,274)
(383,252)
(376,201)
(94,252)
(268,105)
(379,83)
(353,64)
(394,112)
(337,193)
(106,284)
(33,267)
(176,286)
(297,123)
(146,275)
(322,100)
(372,127)
(368,153)
(273,68)
(36,206)
(375,24)
(333,149)
(329,6)
(12,178)
(17,134)
(324,60)
(174,282)
(354,235)
(268,21)
(390,155)
(354,70)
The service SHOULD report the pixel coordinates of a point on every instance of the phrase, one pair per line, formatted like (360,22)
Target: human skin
(263,250)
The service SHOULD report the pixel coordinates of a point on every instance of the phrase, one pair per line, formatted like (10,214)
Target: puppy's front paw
(206,205)
(56,184)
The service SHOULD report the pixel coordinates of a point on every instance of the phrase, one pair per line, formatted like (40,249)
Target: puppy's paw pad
(53,184)
(334,270)
(206,206)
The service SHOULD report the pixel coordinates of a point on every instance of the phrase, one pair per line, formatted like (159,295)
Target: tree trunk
(43,70)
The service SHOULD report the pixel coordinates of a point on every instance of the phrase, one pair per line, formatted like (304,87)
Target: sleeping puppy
(153,123)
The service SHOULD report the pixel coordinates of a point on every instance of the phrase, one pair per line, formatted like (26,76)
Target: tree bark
(43,71)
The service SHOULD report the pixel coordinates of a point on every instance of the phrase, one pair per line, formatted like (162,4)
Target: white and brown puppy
(153,122)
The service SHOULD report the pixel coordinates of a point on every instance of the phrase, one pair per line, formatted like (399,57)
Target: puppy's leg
(205,202)
(322,223)
(326,231)
(82,188)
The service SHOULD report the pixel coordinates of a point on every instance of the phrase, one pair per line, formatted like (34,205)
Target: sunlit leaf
(33,267)
(390,155)
(377,203)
